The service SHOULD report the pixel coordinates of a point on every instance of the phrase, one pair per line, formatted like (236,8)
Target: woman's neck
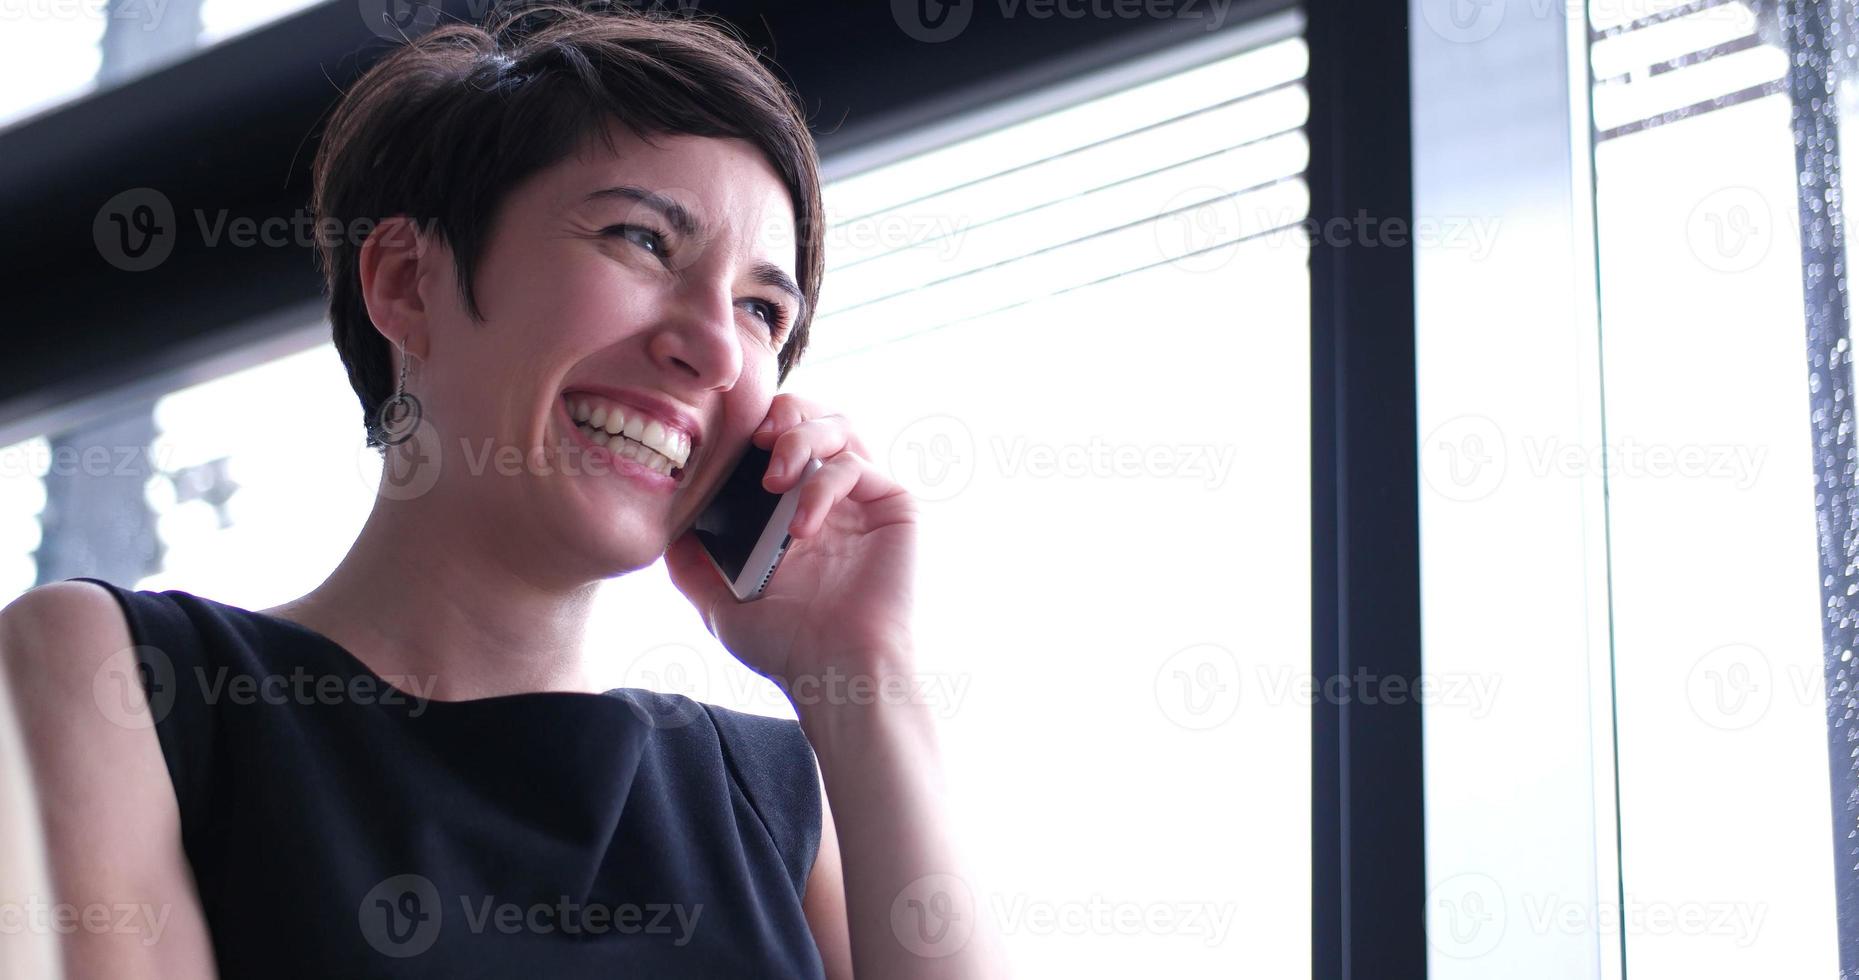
(429,603)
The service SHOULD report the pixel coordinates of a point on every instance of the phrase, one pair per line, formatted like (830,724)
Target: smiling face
(649,282)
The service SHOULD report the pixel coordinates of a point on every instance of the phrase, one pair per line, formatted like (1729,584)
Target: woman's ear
(395,258)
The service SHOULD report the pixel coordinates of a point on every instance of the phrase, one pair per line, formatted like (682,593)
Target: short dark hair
(441,129)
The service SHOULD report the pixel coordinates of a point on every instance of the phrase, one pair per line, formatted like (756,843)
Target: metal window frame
(1368,863)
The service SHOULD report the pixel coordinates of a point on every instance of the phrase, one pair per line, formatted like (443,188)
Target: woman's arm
(912,912)
(22,851)
(122,903)
(838,619)
(825,900)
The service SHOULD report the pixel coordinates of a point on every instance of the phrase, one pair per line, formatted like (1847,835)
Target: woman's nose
(699,335)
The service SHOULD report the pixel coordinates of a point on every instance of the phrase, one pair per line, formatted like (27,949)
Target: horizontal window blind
(1198,162)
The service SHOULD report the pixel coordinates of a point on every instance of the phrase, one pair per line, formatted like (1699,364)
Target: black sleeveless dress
(338,826)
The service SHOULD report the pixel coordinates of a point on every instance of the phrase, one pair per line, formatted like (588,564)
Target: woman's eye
(773,314)
(642,236)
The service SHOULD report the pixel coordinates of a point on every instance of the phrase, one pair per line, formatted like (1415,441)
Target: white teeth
(638,453)
(665,443)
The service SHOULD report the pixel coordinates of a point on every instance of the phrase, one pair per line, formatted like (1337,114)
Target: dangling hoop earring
(400,415)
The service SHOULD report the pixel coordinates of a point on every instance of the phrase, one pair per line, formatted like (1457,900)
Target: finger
(820,439)
(847,476)
(784,412)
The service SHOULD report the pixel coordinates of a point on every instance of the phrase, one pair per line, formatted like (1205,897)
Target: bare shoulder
(60,630)
(67,667)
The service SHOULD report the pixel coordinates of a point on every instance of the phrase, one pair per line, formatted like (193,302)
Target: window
(1081,322)
(1716,592)
(55,50)
(1621,504)
(46,60)
(1063,332)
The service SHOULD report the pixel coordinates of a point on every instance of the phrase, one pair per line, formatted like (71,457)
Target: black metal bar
(1368,862)
(1815,30)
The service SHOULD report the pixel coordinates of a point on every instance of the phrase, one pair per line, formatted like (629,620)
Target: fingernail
(766,425)
(777,467)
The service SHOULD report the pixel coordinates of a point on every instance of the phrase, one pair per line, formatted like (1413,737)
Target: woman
(570,218)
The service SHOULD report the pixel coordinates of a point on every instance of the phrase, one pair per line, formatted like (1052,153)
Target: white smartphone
(744,527)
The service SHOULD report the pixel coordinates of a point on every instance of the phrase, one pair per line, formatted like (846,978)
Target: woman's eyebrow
(770,274)
(686,224)
(681,220)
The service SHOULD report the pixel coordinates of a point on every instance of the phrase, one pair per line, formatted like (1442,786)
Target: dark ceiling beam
(230,133)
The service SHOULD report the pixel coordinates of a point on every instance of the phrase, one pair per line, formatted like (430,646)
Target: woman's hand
(840,603)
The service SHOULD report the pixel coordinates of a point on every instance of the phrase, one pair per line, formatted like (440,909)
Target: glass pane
(298,494)
(1721,712)
(1518,768)
(1092,333)
(23,467)
(53,51)
(46,60)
